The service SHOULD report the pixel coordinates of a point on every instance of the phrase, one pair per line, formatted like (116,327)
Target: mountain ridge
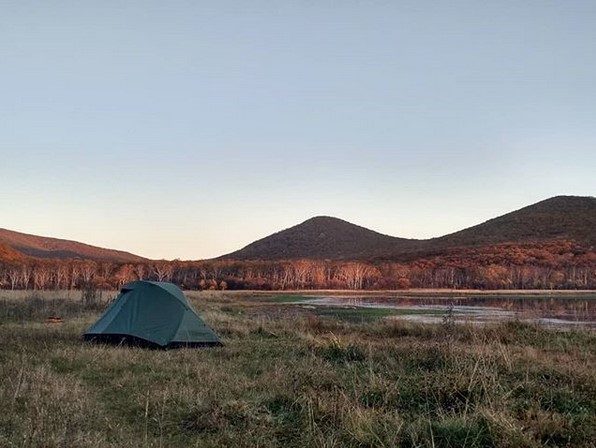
(549,218)
(571,218)
(556,218)
(28,245)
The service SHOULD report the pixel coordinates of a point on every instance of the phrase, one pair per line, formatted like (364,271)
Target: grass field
(293,377)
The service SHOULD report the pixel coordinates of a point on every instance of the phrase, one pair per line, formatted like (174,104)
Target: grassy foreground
(288,376)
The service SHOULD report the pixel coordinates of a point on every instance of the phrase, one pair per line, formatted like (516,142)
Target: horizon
(300,223)
(190,130)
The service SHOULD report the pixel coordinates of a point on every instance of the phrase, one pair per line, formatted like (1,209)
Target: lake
(551,309)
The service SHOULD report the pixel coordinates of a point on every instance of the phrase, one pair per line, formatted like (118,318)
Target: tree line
(559,265)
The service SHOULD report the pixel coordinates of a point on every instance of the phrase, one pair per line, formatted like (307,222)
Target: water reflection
(557,310)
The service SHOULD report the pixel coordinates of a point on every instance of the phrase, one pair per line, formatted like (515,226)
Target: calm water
(553,309)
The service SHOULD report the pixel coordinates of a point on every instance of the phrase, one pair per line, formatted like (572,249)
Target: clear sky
(188,129)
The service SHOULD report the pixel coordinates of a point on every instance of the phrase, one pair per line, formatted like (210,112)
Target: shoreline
(553,292)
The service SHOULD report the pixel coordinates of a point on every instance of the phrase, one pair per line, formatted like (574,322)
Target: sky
(188,129)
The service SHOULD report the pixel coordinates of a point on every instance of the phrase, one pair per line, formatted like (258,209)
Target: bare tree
(75,272)
(163,271)
(14,275)
(141,271)
(354,274)
(41,276)
(124,274)
(88,270)
(106,270)
(60,275)
(25,275)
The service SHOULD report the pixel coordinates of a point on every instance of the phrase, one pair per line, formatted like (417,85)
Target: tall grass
(27,306)
(294,378)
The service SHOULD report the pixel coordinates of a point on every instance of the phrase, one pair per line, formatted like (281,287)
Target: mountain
(557,218)
(569,218)
(322,237)
(7,253)
(560,217)
(22,244)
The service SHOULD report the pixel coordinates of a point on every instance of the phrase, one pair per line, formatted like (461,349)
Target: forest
(552,265)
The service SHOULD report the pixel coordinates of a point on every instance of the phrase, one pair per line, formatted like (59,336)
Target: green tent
(154,314)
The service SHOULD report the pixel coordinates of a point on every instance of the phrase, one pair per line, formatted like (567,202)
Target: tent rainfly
(155,314)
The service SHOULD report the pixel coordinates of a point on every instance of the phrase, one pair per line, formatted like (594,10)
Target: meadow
(291,376)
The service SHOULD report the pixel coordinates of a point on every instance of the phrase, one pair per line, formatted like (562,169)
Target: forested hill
(558,218)
(561,218)
(322,237)
(548,245)
(54,248)
(7,253)
(569,218)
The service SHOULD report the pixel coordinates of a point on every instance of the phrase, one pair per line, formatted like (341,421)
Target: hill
(569,218)
(560,217)
(322,237)
(8,254)
(23,244)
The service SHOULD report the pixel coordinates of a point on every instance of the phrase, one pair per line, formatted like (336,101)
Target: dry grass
(286,379)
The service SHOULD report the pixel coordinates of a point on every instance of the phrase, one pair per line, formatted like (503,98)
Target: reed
(293,378)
